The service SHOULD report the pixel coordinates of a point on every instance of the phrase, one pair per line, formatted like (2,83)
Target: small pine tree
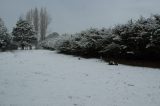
(4,36)
(24,34)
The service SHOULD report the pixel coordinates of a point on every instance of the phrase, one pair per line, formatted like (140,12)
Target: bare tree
(40,20)
(44,22)
(29,16)
(36,21)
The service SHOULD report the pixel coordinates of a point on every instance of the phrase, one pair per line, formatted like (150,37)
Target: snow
(46,78)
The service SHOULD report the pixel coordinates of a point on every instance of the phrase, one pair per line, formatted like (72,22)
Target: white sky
(70,16)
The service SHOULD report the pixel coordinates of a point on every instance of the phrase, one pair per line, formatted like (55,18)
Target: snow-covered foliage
(65,43)
(112,50)
(88,43)
(140,37)
(5,38)
(24,33)
(49,41)
(85,43)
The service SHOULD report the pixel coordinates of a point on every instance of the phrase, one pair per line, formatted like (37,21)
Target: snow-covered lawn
(45,78)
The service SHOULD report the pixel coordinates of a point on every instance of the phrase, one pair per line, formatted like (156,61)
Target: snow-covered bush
(112,50)
(136,39)
(140,37)
(49,41)
(66,43)
(87,43)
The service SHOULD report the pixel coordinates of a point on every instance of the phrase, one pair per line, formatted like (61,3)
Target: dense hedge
(139,39)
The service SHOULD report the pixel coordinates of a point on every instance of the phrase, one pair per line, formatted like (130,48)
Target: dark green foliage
(5,38)
(24,34)
(84,44)
(138,39)
(12,46)
(113,50)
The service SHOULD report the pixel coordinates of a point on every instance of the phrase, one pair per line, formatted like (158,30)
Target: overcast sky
(70,16)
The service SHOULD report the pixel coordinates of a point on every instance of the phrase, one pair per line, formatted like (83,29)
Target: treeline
(23,35)
(137,39)
(29,31)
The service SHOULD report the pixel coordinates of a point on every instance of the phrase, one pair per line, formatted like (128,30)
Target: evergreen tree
(4,36)
(24,34)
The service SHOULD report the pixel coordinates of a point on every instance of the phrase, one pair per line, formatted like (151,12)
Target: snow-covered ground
(45,78)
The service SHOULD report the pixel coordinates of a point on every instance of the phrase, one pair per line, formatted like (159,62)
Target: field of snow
(45,78)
